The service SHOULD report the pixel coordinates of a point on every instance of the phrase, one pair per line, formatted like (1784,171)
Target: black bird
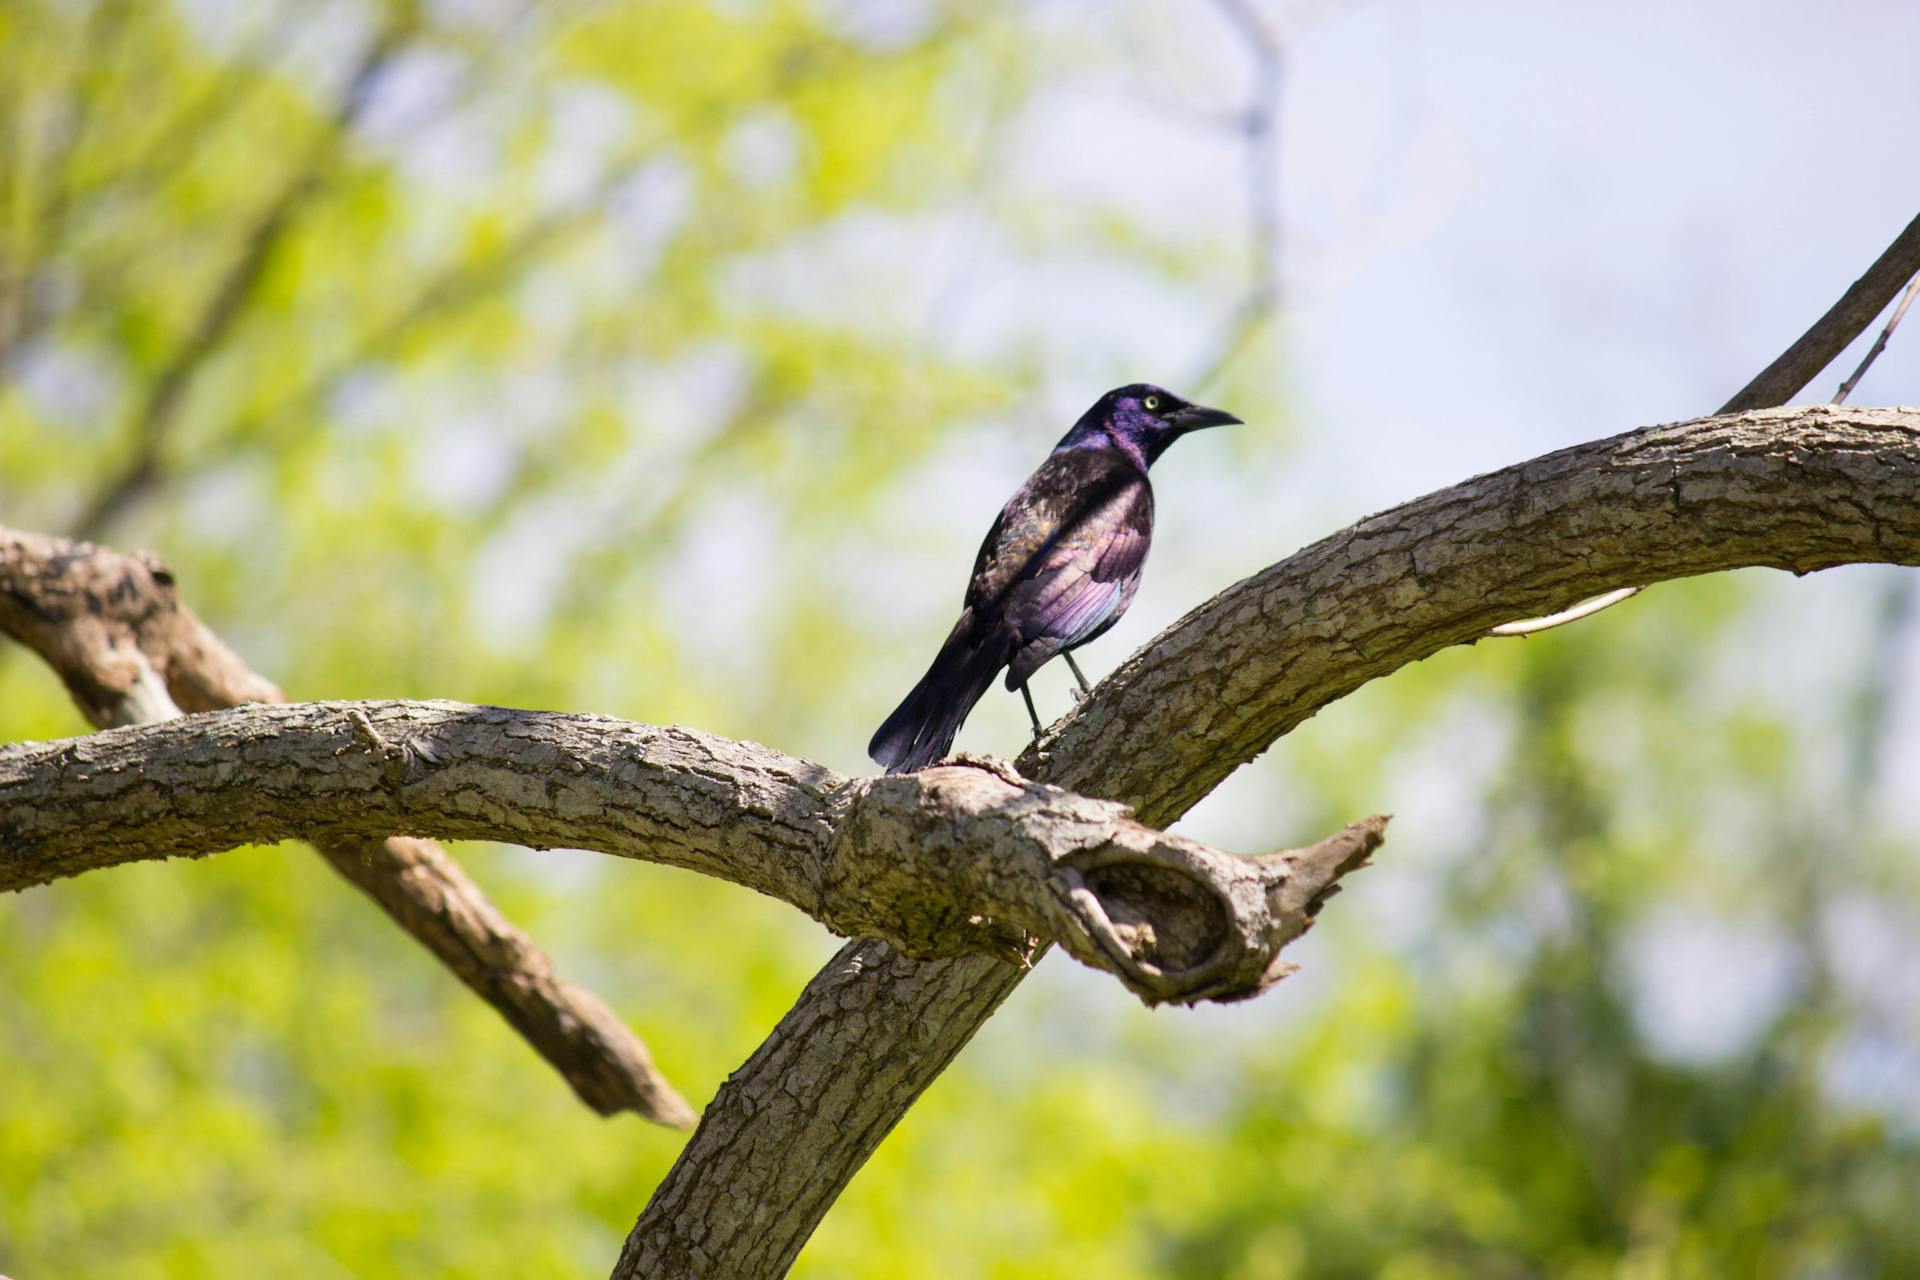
(1058,568)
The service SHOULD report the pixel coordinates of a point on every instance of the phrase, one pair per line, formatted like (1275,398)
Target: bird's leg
(1031,713)
(1074,667)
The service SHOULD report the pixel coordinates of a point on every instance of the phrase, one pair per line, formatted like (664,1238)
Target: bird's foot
(1079,679)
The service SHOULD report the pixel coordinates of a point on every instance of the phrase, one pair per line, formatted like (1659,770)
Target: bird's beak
(1194,416)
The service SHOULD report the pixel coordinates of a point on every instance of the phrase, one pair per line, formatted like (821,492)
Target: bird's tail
(922,727)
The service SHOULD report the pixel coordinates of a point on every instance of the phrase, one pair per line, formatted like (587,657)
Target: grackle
(1058,567)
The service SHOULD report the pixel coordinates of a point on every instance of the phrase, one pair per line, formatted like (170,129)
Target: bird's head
(1144,419)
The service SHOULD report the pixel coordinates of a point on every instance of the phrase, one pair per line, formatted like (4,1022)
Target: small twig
(1780,381)
(1259,124)
(1879,344)
(1846,320)
(1585,609)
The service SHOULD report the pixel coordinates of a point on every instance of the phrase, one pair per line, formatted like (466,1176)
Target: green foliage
(555,384)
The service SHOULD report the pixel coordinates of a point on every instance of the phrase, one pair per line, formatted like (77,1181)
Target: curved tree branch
(129,650)
(1798,489)
(954,860)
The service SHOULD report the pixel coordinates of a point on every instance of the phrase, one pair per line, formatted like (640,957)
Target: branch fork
(972,857)
(113,628)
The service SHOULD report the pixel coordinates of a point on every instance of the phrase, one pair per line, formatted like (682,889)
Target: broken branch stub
(1170,917)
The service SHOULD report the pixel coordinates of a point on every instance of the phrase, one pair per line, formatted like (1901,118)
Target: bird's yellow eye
(1151,403)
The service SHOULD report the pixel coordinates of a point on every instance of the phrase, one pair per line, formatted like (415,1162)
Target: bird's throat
(1133,449)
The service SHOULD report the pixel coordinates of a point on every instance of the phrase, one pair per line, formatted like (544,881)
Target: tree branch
(900,1024)
(1852,380)
(954,860)
(1799,489)
(1846,320)
(113,628)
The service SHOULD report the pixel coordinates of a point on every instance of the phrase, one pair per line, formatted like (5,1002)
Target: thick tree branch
(958,859)
(130,652)
(1798,489)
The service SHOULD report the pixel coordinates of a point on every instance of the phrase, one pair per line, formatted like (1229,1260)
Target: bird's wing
(1053,506)
(1080,581)
(1061,562)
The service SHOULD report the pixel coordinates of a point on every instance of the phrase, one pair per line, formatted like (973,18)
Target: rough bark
(954,860)
(1799,489)
(114,629)
(790,1128)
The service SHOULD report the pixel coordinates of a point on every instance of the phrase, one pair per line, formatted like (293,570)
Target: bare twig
(1585,609)
(130,652)
(1879,344)
(1846,320)
(1259,125)
(1780,381)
